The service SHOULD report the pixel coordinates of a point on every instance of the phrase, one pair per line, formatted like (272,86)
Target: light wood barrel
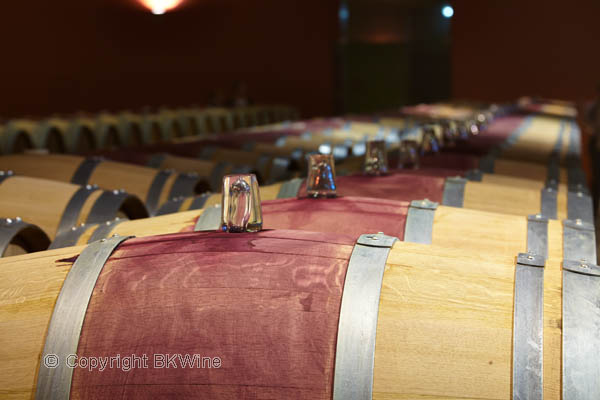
(106,132)
(244,117)
(185,123)
(154,187)
(171,126)
(250,116)
(267,168)
(129,132)
(19,237)
(210,173)
(542,138)
(148,128)
(268,192)
(440,309)
(213,172)
(278,113)
(497,194)
(58,206)
(78,135)
(216,120)
(195,120)
(42,134)
(514,168)
(458,228)
(14,141)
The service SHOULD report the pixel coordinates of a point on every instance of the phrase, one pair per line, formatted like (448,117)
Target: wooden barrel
(19,237)
(260,115)
(106,131)
(185,122)
(352,215)
(78,136)
(205,200)
(147,128)
(196,120)
(273,312)
(278,113)
(213,172)
(243,117)
(540,140)
(496,166)
(216,120)
(42,135)
(171,125)
(251,116)
(13,141)
(153,186)
(210,173)
(267,168)
(129,132)
(531,139)
(496,194)
(58,206)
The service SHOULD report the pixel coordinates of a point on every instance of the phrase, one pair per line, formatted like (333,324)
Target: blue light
(344,13)
(447,11)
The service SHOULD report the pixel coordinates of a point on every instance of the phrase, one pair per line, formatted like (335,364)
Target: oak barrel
(19,237)
(42,135)
(78,135)
(459,228)
(154,187)
(58,206)
(494,193)
(267,307)
(13,141)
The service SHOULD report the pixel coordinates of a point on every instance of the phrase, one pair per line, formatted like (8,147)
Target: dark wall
(509,48)
(394,53)
(88,55)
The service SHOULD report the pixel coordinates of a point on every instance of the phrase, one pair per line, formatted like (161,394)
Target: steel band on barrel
(11,228)
(419,221)
(210,220)
(357,328)
(69,312)
(454,191)
(156,188)
(73,208)
(85,170)
(528,327)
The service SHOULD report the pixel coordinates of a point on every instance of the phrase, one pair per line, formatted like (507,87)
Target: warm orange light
(160,6)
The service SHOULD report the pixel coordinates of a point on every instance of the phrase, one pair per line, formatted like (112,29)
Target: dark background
(90,55)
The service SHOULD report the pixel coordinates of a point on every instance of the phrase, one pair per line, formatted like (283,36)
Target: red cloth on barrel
(406,185)
(495,134)
(267,304)
(353,216)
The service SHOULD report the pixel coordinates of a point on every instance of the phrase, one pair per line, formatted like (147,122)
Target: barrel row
(497,304)
(467,289)
(176,200)
(85,133)
(140,193)
(481,191)
(272,152)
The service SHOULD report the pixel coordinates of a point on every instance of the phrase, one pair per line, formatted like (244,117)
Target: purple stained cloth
(265,304)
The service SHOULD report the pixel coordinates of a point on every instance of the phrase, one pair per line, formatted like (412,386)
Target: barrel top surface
(399,186)
(349,215)
(52,166)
